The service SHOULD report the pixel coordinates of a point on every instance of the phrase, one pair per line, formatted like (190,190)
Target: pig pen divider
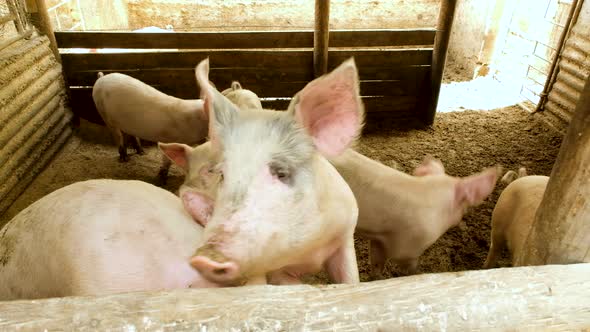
(550,297)
(394,64)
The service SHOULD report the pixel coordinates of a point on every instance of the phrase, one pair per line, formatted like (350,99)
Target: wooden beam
(242,39)
(439,56)
(524,298)
(83,106)
(561,230)
(40,19)
(321,37)
(263,59)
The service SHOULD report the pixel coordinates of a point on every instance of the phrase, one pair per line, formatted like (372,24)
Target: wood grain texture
(321,37)
(221,77)
(524,298)
(243,40)
(243,58)
(402,106)
(441,46)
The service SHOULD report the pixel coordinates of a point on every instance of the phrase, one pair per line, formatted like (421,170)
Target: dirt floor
(466,142)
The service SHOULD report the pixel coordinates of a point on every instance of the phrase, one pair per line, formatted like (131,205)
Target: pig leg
(342,266)
(496,247)
(136,143)
(163,172)
(378,257)
(120,141)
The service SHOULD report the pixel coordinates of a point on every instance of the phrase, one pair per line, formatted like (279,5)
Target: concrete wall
(34,121)
(280,14)
(105,14)
(467,36)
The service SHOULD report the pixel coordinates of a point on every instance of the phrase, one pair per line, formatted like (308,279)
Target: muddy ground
(466,142)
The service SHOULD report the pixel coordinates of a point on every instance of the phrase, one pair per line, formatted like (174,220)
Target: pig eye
(280,173)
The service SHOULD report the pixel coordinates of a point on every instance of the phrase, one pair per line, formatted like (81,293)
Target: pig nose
(224,273)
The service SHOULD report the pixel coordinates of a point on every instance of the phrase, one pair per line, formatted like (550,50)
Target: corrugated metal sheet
(34,121)
(574,71)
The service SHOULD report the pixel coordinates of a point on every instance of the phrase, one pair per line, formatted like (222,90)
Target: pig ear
(199,206)
(219,109)
(429,166)
(235,85)
(331,110)
(178,153)
(474,189)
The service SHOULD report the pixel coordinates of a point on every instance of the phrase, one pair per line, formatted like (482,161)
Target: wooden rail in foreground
(555,297)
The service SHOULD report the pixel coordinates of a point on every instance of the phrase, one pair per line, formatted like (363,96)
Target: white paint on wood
(524,298)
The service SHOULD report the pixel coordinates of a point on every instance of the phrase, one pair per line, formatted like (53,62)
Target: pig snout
(216,268)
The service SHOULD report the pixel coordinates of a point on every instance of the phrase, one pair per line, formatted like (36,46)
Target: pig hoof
(123,159)
(140,151)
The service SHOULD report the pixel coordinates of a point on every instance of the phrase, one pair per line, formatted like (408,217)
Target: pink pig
(99,237)
(402,215)
(514,213)
(129,106)
(279,204)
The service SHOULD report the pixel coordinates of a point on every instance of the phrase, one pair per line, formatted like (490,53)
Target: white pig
(129,106)
(99,237)
(279,204)
(243,98)
(514,214)
(402,215)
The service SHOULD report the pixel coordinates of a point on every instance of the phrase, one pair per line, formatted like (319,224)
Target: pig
(401,214)
(200,177)
(129,106)
(280,207)
(243,98)
(514,214)
(99,237)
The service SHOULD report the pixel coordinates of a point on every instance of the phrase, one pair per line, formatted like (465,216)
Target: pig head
(279,204)
(242,98)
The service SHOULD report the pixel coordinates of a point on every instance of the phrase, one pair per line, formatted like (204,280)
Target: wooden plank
(83,106)
(382,38)
(249,58)
(245,75)
(320,37)
(560,233)
(552,297)
(242,39)
(384,59)
(187,59)
(187,88)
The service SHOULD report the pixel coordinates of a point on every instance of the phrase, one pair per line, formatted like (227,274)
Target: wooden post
(40,19)
(439,56)
(553,297)
(321,37)
(561,231)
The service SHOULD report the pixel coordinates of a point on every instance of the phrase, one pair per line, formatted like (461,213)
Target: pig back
(140,110)
(515,210)
(98,237)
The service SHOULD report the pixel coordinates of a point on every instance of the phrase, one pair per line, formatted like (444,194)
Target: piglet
(243,98)
(514,214)
(402,215)
(99,237)
(280,206)
(129,106)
